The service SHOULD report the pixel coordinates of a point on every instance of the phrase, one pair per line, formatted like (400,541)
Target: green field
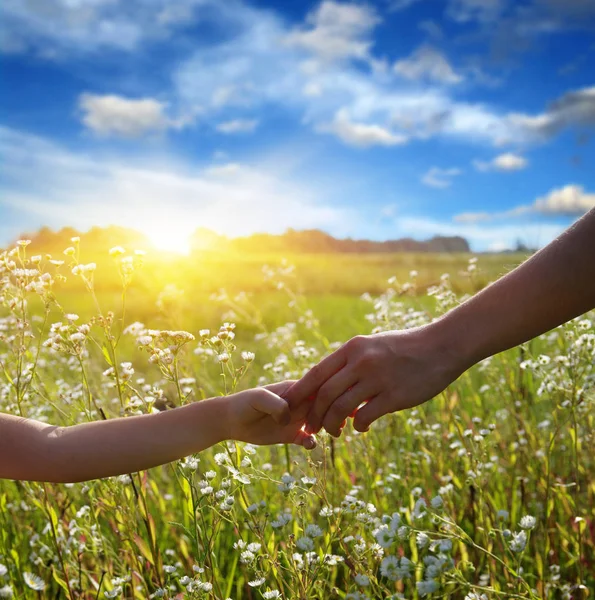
(448,483)
(331,283)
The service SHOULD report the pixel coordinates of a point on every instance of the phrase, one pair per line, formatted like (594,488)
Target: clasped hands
(371,376)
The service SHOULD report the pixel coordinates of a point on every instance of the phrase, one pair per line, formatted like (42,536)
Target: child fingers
(269,403)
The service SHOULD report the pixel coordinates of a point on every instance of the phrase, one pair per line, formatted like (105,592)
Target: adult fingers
(345,405)
(374,409)
(305,439)
(269,403)
(335,387)
(311,382)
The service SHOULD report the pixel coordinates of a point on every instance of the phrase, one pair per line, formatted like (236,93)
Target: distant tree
(101,239)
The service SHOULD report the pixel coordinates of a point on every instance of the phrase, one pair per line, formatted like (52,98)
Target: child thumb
(273,405)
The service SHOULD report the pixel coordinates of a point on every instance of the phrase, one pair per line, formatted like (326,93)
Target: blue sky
(371,120)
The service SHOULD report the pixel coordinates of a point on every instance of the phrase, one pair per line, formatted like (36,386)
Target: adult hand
(386,371)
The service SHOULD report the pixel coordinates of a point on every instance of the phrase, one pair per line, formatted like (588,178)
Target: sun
(169,238)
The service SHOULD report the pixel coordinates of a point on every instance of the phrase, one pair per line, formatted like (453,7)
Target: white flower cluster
(68,337)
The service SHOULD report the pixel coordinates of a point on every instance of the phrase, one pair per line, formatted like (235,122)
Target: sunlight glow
(170,237)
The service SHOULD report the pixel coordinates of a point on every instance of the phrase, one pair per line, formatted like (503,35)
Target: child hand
(261,416)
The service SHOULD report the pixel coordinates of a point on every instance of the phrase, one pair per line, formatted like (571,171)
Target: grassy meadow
(485,492)
(331,284)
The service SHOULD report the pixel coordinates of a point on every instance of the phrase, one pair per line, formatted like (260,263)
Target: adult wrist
(456,342)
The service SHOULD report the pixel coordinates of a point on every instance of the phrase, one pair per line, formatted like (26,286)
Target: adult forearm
(106,448)
(552,287)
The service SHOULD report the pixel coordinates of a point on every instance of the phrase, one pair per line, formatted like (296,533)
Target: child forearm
(43,452)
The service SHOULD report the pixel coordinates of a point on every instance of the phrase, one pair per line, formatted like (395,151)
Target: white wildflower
(419,509)
(313,531)
(6,591)
(394,569)
(33,581)
(518,542)
(428,586)
(385,536)
(528,522)
(437,502)
(305,544)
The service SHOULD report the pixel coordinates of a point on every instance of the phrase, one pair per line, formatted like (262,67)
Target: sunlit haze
(170,238)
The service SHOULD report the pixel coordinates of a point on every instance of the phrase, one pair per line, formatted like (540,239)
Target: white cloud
(314,75)
(115,115)
(516,26)
(87,190)
(361,134)
(473,217)
(254,69)
(336,31)
(398,5)
(509,162)
(570,201)
(238,126)
(179,12)
(475,10)
(309,70)
(325,66)
(312,89)
(432,29)
(440,178)
(388,211)
(427,63)
(227,170)
(250,68)
(53,28)
(575,108)
(502,162)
